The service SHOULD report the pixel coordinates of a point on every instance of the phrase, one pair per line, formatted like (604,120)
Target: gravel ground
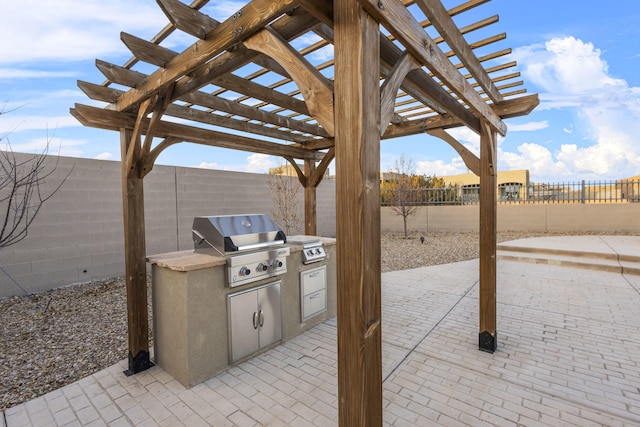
(58,337)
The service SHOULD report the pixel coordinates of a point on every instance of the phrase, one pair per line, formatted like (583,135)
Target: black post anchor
(488,342)
(139,363)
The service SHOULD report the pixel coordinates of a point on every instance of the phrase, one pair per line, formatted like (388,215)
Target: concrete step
(594,260)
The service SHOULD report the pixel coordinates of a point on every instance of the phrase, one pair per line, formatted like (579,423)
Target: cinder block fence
(78,235)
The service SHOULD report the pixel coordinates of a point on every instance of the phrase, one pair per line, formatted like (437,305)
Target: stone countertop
(190,260)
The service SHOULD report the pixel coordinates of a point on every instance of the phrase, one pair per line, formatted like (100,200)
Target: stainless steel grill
(253,245)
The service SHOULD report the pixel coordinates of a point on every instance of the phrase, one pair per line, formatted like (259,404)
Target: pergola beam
(399,21)
(132,78)
(108,94)
(113,120)
(188,19)
(316,90)
(241,25)
(288,27)
(441,20)
(515,107)
(510,108)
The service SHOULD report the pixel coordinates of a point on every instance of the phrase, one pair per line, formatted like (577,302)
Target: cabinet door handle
(314,296)
(316,274)
(255,320)
(261,318)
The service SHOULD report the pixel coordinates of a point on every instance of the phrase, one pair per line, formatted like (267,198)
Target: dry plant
(285,193)
(24,189)
(402,189)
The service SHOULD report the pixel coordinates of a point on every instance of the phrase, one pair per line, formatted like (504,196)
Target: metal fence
(625,191)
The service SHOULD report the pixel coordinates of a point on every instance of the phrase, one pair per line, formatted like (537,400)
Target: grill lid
(233,233)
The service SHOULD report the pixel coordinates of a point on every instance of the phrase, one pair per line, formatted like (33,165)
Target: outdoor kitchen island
(193,307)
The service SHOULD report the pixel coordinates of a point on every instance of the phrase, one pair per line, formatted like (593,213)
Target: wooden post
(488,339)
(310,221)
(357,148)
(135,260)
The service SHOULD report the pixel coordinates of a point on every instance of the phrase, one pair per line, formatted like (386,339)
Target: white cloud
(104,156)
(322,54)
(209,165)
(534,157)
(17,123)
(72,30)
(24,73)
(259,163)
(54,146)
(573,74)
(440,168)
(527,127)
(221,10)
(565,66)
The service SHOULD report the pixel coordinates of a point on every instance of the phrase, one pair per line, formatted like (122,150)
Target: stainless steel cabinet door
(243,325)
(255,320)
(269,315)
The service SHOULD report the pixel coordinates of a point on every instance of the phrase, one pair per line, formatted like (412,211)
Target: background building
(512,185)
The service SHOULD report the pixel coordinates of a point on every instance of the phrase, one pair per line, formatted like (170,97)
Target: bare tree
(285,192)
(21,195)
(399,187)
(22,191)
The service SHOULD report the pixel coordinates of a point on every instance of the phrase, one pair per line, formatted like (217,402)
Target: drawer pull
(314,296)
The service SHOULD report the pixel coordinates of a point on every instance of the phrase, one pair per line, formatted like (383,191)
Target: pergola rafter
(266,80)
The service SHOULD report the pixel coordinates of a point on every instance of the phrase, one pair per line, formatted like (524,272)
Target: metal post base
(139,363)
(488,342)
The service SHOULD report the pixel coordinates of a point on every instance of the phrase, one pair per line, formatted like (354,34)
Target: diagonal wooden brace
(316,89)
(390,87)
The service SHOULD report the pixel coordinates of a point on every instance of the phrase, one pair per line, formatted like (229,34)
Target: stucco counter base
(190,318)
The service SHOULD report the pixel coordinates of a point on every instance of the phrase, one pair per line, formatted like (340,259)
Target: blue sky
(581,57)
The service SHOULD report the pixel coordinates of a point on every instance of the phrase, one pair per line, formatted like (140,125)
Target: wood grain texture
(113,120)
(488,226)
(134,252)
(310,199)
(107,94)
(389,89)
(357,145)
(442,21)
(406,29)
(188,19)
(316,90)
(510,108)
(250,19)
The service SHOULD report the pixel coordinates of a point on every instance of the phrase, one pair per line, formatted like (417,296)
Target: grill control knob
(318,251)
(262,267)
(277,263)
(244,271)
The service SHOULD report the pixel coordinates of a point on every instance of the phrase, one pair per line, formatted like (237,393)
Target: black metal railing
(624,191)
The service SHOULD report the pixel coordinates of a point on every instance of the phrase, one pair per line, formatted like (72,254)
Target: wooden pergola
(254,83)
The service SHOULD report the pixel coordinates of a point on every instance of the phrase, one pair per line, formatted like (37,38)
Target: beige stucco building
(512,185)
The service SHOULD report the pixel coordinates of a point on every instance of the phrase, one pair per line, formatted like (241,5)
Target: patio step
(618,263)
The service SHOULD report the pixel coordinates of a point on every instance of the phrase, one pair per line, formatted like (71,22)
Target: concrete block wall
(604,217)
(78,235)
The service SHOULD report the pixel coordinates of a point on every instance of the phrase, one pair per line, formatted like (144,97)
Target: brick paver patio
(568,354)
